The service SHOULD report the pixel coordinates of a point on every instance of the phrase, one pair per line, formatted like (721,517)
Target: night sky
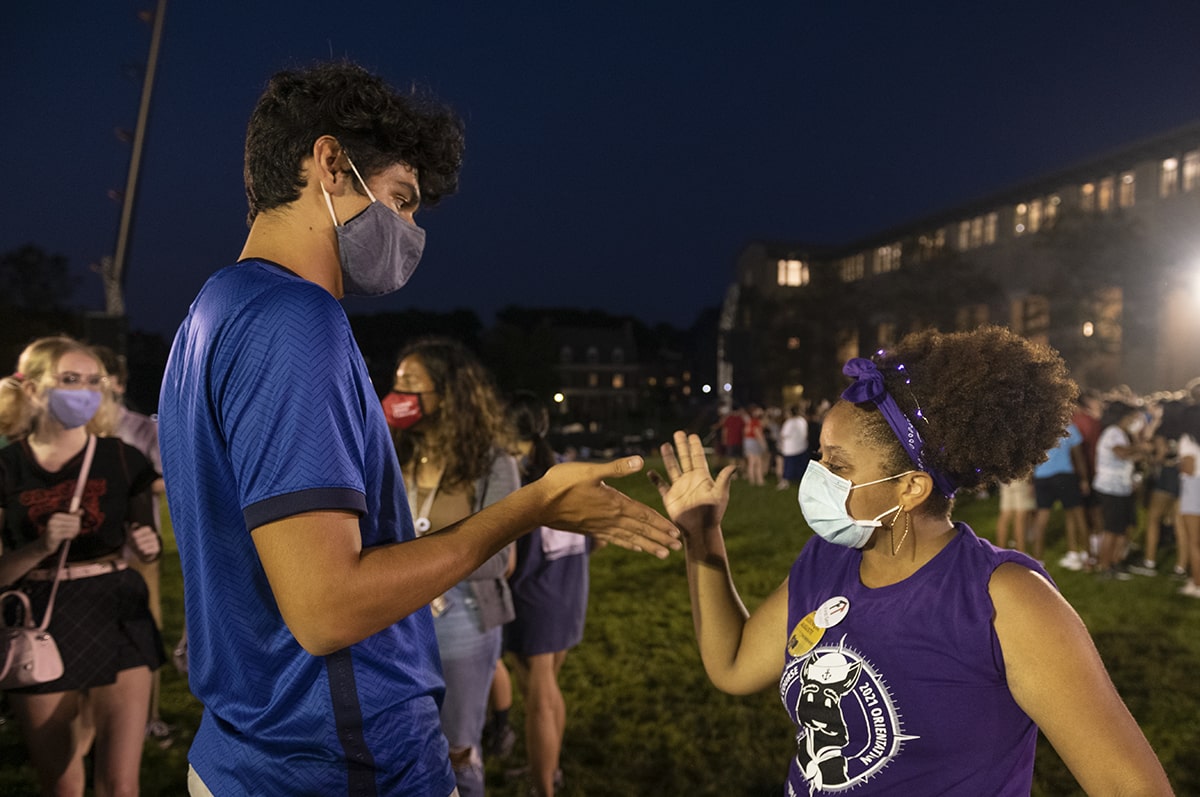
(619,154)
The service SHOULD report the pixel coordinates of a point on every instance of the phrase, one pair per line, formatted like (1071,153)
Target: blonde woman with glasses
(50,409)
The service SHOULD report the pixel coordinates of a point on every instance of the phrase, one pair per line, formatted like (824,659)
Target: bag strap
(76,500)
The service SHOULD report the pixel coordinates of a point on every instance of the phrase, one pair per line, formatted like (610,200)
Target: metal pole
(114,278)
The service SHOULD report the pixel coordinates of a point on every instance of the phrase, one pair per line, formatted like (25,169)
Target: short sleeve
(289,405)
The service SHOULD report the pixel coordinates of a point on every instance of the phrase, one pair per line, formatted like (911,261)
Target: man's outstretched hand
(577,499)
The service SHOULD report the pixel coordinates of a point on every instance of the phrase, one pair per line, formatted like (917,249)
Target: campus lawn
(643,720)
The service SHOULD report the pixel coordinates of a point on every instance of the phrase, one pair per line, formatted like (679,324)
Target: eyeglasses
(73,379)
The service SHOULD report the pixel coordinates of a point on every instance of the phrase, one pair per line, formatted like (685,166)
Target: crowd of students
(1125,477)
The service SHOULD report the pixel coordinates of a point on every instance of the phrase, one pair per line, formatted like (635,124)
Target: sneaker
(1178,572)
(1113,574)
(1146,568)
(160,732)
(1190,590)
(1073,560)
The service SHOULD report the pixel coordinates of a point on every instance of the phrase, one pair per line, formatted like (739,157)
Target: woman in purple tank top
(913,656)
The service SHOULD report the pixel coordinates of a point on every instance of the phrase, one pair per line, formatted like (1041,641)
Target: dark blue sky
(619,153)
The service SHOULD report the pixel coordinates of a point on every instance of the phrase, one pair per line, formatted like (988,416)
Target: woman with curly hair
(451,435)
(53,408)
(913,656)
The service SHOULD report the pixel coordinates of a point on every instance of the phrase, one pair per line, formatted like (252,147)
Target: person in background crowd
(793,446)
(141,432)
(732,428)
(1189,501)
(550,594)
(1062,479)
(451,437)
(754,446)
(1086,418)
(52,407)
(1164,493)
(1117,453)
(914,657)
(311,644)
(1016,506)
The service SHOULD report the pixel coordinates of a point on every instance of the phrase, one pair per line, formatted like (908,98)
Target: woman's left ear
(918,486)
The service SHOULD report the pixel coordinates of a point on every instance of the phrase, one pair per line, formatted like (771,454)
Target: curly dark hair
(471,421)
(530,418)
(377,125)
(993,405)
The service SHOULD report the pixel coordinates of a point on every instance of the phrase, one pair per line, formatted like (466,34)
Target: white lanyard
(421,519)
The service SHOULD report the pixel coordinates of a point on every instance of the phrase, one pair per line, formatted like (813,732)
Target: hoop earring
(904,536)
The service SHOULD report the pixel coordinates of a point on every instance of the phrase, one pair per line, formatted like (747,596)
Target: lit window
(1035,215)
(887,258)
(652,382)
(1125,194)
(593,379)
(1087,197)
(1020,218)
(852,268)
(792,273)
(977,231)
(618,381)
(1191,170)
(964,235)
(1168,177)
(687,376)
(1051,209)
(793,343)
(1104,197)
(989,227)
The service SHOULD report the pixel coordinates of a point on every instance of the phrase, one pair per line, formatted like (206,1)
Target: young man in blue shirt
(311,644)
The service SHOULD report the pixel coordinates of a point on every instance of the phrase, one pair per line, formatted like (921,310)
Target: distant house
(1100,260)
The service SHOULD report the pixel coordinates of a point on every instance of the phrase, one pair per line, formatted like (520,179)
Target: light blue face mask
(823,498)
(378,249)
(73,408)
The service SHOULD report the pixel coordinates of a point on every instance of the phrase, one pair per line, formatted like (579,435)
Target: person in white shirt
(793,446)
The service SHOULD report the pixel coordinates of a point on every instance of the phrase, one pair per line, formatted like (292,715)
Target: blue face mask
(823,498)
(378,249)
(73,408)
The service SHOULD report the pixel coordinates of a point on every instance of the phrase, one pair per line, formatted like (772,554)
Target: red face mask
(402,410)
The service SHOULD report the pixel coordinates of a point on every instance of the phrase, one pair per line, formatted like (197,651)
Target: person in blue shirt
(311,644)
(1062,478)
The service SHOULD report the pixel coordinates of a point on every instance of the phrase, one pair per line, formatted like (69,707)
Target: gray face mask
(378,249)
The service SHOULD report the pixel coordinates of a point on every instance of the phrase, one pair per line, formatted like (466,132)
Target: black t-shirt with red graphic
(117,492)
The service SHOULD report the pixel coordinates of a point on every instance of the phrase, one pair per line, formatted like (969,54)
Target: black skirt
(102,625)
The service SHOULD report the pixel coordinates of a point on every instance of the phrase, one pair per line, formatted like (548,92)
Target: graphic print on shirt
(849,726)
(40,504)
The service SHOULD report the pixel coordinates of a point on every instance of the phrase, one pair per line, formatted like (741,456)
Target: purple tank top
(901,689)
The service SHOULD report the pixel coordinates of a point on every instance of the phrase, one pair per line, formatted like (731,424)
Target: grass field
(643,719)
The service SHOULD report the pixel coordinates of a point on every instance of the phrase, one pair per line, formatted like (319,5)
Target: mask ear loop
(329,200)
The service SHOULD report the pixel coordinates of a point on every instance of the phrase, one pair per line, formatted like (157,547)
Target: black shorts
(1168,480)
(102,625)
(1062,487)
(1118,512)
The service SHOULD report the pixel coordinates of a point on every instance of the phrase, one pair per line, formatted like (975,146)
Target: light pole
(112,269)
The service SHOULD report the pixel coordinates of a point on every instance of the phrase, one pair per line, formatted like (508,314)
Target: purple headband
(868,386)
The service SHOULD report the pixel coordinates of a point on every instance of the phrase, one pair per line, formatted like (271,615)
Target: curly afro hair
(993,404)
(377,125)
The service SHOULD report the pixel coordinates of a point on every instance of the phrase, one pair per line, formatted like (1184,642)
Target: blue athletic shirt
(267,411)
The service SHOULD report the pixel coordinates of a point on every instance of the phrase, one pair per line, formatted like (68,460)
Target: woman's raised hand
(693,499)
